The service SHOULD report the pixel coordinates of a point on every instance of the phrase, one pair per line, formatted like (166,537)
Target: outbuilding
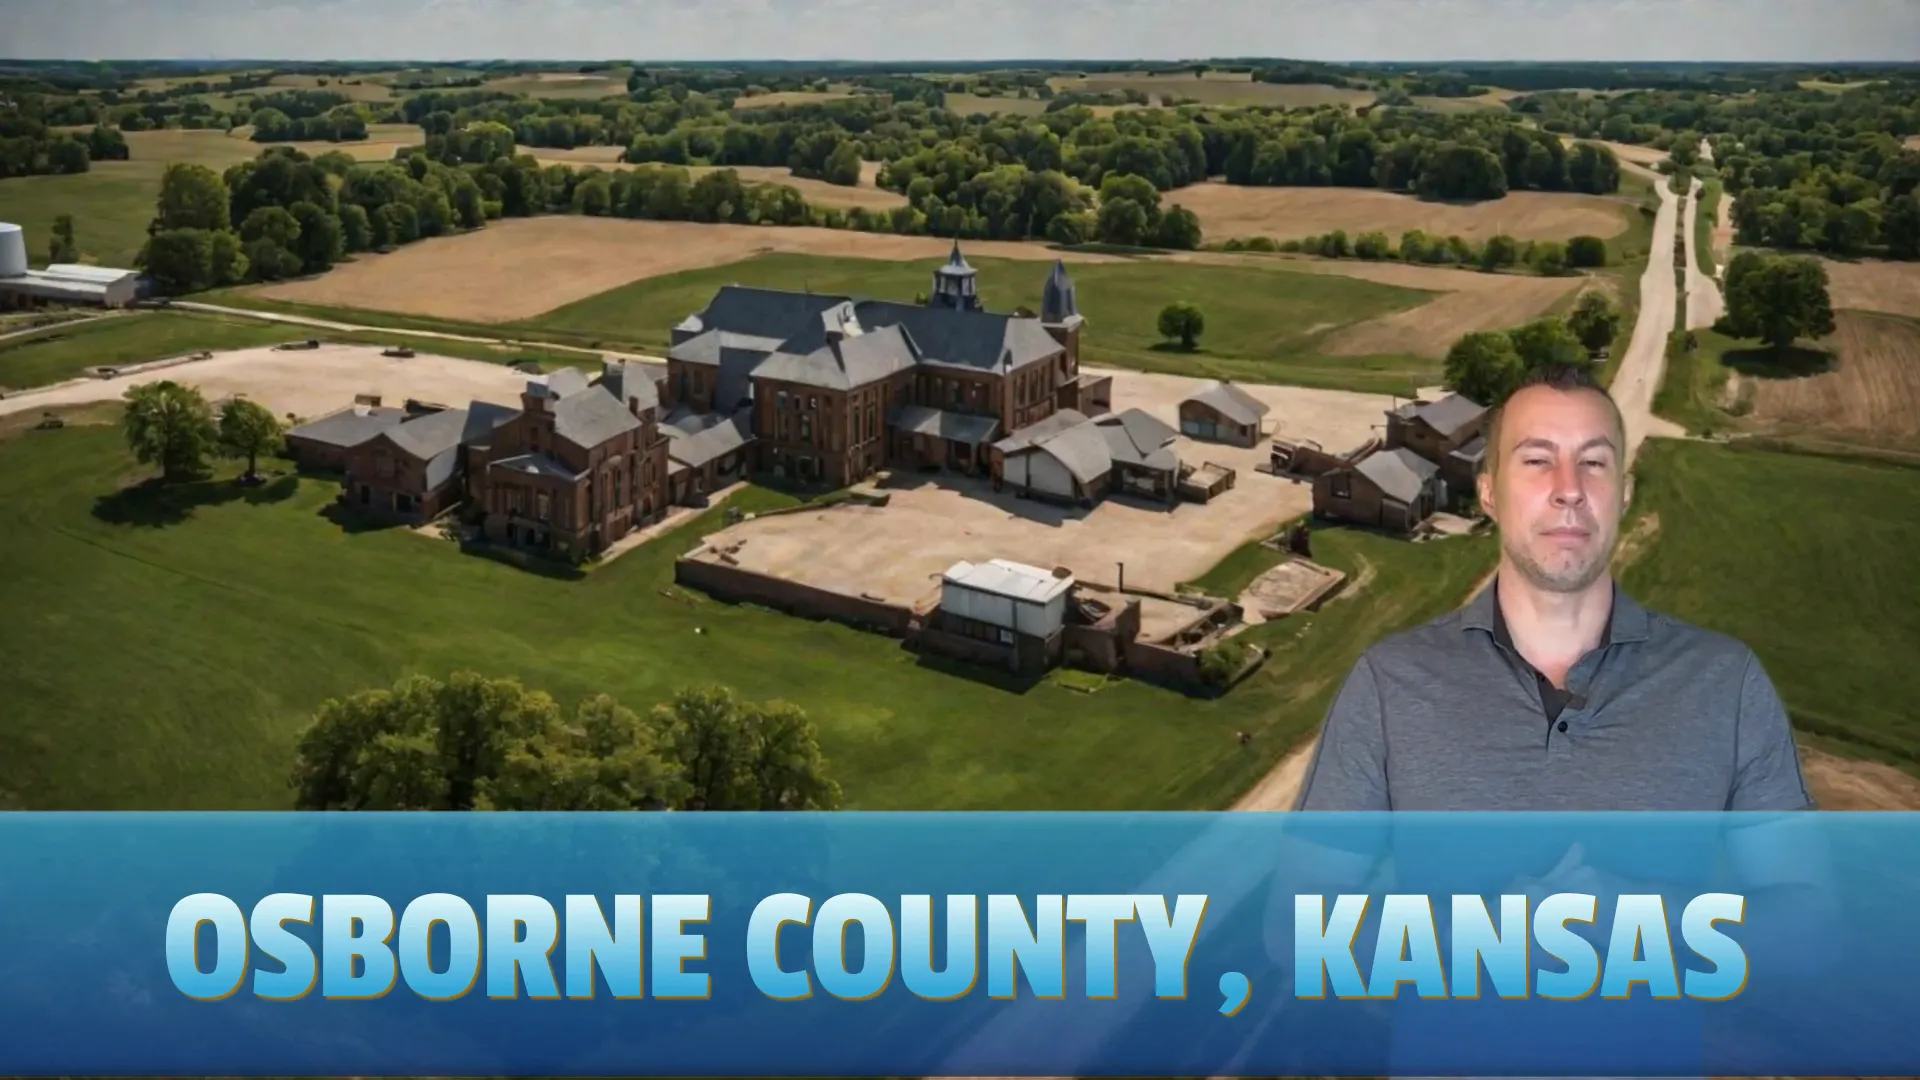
(1003,612)
(1223,412)
(61,283)
(1394,489)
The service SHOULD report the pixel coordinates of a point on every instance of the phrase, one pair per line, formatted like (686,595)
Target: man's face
(1558,490)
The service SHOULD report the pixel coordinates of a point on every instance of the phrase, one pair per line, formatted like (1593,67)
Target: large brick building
(836,387)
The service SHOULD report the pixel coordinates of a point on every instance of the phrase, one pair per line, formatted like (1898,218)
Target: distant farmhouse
(1432,452)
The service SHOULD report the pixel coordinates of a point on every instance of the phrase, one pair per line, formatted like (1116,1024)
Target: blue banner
(959,944)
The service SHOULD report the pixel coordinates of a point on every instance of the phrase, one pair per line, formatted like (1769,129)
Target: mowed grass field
(112,202)
(1807,559)
(1215,88)
(66,351)
(1265,322)
(163,651)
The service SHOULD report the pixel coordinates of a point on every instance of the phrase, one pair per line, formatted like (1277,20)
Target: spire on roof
(1058,302)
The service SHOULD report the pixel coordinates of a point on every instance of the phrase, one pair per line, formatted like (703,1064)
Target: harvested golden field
(789,97)
(563,84)
(356,91)
(154,150)
(1472,301)
(969,104)
(1217,88)
(1839,783)
(1872,395)
(1875,285)
(521,267)
(1492,99)
(577,156)
(1283,213)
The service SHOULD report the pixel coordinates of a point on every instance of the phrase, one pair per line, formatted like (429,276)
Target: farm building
(1449,432)
(322,444)
(836,388)
(1005,612)
(575,467)
(1394,489)
(61,283)
(1068,458)
(1223,412)
(705,453)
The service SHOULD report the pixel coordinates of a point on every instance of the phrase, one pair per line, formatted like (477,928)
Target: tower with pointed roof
(955,284)
(1060,315)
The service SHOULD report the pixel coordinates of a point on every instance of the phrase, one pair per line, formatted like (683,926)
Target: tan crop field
(1282,213)
(968,104)
(561,84)
(522,267)
(1494,301)
(1871,396)
(1875,285)
(1217,88)
(355,91)
(789,97)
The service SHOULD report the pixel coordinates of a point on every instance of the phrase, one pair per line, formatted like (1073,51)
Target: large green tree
(1182,321)
(1594,320)
(739,755)
(1484,367)
(1777,299)
(170,425)
(191,197)
(248,430)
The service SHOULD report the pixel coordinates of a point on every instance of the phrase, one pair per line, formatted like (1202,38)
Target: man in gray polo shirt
(1553,689)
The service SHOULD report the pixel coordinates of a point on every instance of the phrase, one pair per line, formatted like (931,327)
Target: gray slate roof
(351,426)
(843,364)
(633,382)
(756,312)
(1083,450)
(483,418)
(980,340)
(537,464)
(1041,430)
(709,347)
(562,383)
(1472,451)
(1447,415)
(960,427)
(693,443)
(1232,402)
(427,437)
(1399,474)
(587,420)
(1138,438)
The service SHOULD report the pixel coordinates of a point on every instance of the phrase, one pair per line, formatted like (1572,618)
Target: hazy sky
(1812,30)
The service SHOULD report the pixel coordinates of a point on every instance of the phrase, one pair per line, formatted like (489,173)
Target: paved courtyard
(898,552)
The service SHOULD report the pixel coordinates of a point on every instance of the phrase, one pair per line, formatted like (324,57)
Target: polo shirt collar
(1628,621)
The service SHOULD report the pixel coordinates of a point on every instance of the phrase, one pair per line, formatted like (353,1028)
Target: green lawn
(163,653)
(1807,559)
(1263,322)
(65,351)
(1703,220)
(1692,388)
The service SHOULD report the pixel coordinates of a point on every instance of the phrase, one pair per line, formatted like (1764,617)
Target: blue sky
(1809,30)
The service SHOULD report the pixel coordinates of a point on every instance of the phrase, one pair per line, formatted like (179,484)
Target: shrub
(1585,251)
(1219,664)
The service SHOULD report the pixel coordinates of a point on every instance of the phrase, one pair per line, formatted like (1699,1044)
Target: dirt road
(437,335)
(1704,302)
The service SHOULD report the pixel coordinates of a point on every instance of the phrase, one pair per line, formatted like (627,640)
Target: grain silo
(13,250)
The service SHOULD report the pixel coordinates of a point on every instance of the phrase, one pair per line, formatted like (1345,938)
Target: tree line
(1487,366)
(1814,170)
(1545,257)
(477,743)
(30,145)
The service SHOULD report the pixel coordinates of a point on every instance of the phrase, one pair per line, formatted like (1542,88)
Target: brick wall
(739,585)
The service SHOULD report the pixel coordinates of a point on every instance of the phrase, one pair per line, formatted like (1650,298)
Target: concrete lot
(305,382)
(898,552)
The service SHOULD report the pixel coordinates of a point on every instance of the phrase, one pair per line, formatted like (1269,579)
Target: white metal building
(1015,598)
(67,283)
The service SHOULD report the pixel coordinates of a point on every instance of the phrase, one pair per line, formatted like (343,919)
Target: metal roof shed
(1014,597)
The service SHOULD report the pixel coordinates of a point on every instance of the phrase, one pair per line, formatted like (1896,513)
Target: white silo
(13,250)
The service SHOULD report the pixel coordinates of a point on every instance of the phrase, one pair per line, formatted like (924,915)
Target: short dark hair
(1566,378)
